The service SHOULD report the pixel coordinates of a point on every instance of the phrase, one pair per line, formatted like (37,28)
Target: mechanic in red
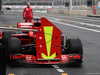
(28,13)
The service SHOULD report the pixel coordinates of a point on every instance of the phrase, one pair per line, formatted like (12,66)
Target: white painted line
(77,22)
(81,23)
(55,66)
(77,18)
(93,25)
(90,24)
(60,70)
(61,19)
(76,26)
(85,19)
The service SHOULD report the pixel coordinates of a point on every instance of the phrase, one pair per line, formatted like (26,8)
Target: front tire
(75,46)
(5,36)
(14,45)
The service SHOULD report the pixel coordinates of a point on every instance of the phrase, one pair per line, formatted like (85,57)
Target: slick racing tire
(14,45)
(5,36)
(2,60)
(75,46)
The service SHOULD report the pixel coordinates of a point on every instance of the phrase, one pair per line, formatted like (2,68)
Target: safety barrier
(70,12)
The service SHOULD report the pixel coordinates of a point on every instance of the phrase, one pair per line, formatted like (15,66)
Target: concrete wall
(70,12)
(98,11)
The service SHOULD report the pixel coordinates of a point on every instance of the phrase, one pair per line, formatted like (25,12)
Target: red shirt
(27,12)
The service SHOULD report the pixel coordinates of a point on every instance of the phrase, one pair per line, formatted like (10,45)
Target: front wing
(31,59)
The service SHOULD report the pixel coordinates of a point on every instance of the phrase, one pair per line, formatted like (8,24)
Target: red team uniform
(28,14)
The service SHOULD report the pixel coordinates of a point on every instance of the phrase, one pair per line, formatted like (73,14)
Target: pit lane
(90,40)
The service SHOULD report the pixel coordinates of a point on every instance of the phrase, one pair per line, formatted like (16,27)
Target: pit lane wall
(50,9)
(70,12)
(37,9)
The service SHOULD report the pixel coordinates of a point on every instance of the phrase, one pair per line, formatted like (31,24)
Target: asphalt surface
(85,28)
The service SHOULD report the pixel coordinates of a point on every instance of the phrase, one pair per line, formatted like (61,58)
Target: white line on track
(74,17)
(77,18)
(88,24)
(76,22)
(55,66)
(91,25)
(60,70)
(85,19)
(76,26)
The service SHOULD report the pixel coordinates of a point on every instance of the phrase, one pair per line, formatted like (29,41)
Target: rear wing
(24,25)
(28,25)
(19,29)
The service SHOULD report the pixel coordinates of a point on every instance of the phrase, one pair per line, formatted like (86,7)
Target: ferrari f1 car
(40,43)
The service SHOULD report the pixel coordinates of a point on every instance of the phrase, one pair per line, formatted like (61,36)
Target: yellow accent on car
(48,31)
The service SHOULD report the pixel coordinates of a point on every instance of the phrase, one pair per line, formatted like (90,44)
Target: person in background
(28,13)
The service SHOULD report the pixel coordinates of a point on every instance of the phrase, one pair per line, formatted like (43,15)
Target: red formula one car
(40,43)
